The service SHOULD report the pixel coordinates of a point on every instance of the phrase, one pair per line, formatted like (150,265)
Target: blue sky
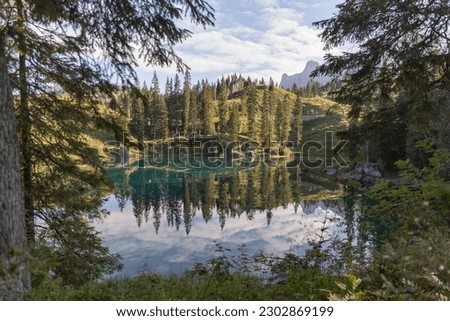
(264,38)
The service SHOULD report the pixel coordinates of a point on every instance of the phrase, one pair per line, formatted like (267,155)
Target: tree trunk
(25,128)
(14,277)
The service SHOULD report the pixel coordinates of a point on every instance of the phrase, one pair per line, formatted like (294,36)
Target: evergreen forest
(79,128)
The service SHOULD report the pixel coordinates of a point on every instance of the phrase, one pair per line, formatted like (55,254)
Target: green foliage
(231,109)
(417,201)
(413,267)
(220,278)
(208,110)
(408,219)
(75,256)
(395,82)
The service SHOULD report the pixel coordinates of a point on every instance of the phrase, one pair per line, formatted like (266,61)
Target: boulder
(356,176)
(330,171)
(359,169)
(371,170)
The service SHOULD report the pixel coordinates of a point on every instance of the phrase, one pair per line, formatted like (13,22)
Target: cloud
(172,251)
(254,38)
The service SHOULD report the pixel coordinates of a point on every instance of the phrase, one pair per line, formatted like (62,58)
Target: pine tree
(234,123)
(410,39)
(177,105)
(138,118)
(283,120)
(297,121)
(159,112)
(187,124)
(224,111)
(58,92)
(244,119)
(254,113)
(208,109)
(267,124)
(194,110)
(14,279)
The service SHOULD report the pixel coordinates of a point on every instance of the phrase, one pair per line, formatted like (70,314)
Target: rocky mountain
(302,78)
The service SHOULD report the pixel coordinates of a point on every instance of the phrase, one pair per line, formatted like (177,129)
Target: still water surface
(165,219)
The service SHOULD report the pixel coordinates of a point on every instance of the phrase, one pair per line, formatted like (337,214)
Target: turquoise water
(164,219)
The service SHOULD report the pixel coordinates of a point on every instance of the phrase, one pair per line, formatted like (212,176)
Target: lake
(165,218)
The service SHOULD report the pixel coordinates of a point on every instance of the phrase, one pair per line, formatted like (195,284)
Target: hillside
(321,115)
(266,116)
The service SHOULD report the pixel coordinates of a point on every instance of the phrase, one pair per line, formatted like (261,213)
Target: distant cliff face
(301,79)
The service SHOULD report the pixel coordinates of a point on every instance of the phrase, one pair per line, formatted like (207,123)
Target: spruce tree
(138,117)
(283,121)
(14,279)
(194,110)
(234,123)
(208,109)
(297,121)
(177,105)
(58,87)
(224,111)
(404,43)
(187,124)
(159,112)
(267,123)
(254,113)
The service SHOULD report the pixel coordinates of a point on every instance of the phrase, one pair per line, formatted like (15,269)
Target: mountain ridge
(301,79)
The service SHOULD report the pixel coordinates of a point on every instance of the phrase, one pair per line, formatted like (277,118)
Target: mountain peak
(302,79)
(311,64)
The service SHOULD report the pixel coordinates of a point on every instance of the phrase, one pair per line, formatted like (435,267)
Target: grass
(295,284)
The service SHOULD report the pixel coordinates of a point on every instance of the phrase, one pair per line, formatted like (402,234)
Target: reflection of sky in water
(172,251)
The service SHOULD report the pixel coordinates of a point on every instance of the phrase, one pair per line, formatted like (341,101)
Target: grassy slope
(334,118)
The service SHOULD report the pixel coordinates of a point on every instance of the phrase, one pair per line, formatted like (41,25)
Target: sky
(256,38)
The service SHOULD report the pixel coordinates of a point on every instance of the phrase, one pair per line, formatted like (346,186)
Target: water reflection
(167,219)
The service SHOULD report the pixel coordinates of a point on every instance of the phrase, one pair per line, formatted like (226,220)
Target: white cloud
(173,251)
(255,38)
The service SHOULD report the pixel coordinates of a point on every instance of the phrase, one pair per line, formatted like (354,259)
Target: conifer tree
(187,124)
(159,112)
(194,110)
(283,121)
(14,279)
(234,124)
(297,121)
(138,118)
(58,85)
(254,113)
(404,43)
(208,109)
(177,105)
(244,120)
(267,123)
(224,112)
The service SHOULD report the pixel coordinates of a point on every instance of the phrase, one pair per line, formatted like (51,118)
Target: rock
(330,171)
(368,180)
(356,176)
(371,170)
